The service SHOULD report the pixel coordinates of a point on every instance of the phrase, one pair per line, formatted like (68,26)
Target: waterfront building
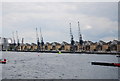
(65,46)
(47,46)
(118,46)
(114,46)
(55,46)
(22,47)
(99,46)
(27,47)
(0,43)
(76,46)
(5,43)
(93,47)
(33,47)
(105,47)
(87,46)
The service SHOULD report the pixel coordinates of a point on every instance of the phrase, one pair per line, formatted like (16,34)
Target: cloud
(107,39)
(0,19)
(88,27)
(60,1)
(54,19)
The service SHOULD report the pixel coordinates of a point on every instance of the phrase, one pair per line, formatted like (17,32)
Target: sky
(98,20)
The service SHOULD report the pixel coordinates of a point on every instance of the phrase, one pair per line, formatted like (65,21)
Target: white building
(4,43)
(0,40)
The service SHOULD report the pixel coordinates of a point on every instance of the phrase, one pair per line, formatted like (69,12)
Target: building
(0,43)
(5,43)
(87,46)
(114,46)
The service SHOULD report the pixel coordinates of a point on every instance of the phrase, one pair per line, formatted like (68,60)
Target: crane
(22,40)
(13,39)
(17,38)
(41,37)
(72,40)
(80,36)
(38,43)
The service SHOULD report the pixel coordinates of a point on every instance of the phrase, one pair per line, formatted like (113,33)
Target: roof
(55,43)
(64,43)
(27,44)
(34,44)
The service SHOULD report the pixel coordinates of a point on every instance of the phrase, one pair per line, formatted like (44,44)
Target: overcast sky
(98,20)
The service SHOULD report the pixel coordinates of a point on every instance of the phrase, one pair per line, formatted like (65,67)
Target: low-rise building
(65,46)
(114,46)
(93,47)
(87,46)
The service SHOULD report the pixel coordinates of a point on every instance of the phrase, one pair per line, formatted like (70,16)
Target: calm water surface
(26,65)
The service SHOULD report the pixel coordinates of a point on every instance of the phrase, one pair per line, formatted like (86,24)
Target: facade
(114,46)
(87,46)
(65,46)
(93,47)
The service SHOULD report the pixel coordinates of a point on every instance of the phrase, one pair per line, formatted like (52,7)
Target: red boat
(106,64)
(3,61)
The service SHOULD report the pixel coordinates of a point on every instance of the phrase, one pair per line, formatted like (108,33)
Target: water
(26,65)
